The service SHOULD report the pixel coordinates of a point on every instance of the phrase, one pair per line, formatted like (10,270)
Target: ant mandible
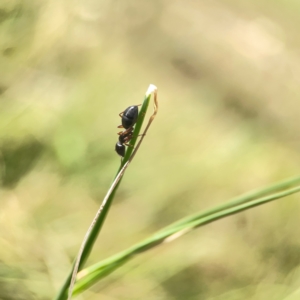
(129,117)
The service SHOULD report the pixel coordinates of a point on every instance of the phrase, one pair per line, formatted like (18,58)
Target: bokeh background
(228,75)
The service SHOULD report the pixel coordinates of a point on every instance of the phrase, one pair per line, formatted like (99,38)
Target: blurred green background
(228,75)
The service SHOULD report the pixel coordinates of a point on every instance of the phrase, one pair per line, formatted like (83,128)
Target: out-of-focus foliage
(228,77)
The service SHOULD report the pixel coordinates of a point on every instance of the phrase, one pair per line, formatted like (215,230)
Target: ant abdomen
(130,116)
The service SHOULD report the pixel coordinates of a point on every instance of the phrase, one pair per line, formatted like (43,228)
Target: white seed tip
(151,89)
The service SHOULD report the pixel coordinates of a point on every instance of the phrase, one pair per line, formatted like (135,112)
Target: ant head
(120,149)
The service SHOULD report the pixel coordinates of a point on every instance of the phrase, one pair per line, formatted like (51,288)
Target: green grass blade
(255,194)
(98,222)
(98,271)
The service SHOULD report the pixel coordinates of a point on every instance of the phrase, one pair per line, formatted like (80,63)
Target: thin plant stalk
(92,274)
(255,194)
(101,214)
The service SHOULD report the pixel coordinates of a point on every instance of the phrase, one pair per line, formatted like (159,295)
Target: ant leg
(127,130)
(137,105)
(122,133)
(120,126)
(127,138)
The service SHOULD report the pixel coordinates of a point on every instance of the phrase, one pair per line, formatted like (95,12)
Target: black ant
(129,117)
